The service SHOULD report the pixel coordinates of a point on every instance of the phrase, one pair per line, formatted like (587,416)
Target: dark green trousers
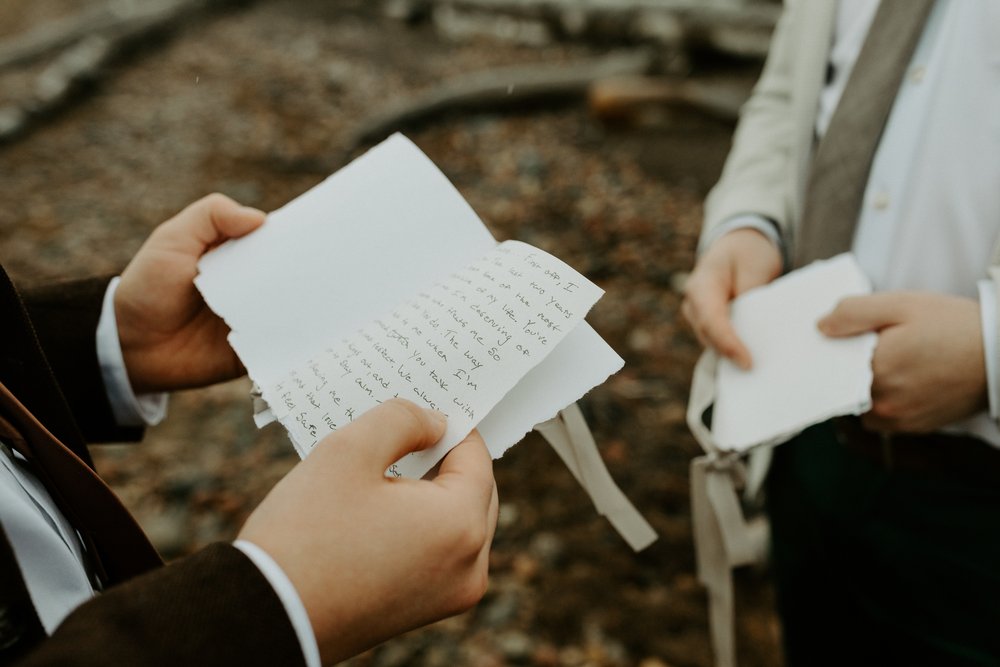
(881,568)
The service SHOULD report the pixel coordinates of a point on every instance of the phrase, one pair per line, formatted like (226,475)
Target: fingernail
(438,416)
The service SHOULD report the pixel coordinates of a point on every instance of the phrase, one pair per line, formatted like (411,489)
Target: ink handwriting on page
(458,346)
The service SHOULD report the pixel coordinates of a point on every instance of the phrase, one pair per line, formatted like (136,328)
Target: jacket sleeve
(65,317)
(757,174)
(213,608)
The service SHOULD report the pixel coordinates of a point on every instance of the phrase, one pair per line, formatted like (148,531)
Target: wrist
(131,406)
(289,597)
(129,343)
(747,221)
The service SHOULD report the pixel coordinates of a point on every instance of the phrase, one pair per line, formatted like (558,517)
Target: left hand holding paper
(928,365)
(170,339)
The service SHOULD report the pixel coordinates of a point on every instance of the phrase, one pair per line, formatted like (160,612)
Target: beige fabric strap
(723,537)
(570,437)
(701,397)
(839,171)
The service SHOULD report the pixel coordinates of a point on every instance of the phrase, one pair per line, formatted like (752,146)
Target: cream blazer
(766,170)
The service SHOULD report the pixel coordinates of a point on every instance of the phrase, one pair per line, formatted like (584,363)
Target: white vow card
(799,377)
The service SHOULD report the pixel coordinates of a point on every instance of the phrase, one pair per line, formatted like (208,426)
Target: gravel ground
(257,101)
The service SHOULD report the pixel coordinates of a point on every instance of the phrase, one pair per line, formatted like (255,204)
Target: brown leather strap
(839,172)
(115,542)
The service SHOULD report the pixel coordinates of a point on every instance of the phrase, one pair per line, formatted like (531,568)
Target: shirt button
(880,201)
(918,73)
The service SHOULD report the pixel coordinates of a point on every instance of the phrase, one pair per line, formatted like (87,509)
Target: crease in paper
(346,253)
(459,346)
(800,377)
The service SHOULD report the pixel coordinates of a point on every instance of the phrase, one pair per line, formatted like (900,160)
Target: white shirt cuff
(128,409)
(988,316)
(289,599)
(744,221)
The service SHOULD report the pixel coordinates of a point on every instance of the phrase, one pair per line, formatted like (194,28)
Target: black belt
(942,455)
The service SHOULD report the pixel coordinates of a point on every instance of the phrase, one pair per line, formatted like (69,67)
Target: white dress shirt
(931,210)
(47,548)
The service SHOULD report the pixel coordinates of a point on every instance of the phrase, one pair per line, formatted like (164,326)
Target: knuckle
(213,204)
(476,535)
(691,286)
(694,288)
(879,409)
(689,311)
(469,537)
(881,368)
(214,200)
(885,410)
(464,552)
(464,534)
(478,584)
(471,589)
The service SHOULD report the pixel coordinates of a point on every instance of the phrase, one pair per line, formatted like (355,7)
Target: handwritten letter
(458,347)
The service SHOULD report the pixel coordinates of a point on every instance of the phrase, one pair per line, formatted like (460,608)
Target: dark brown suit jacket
(212,608)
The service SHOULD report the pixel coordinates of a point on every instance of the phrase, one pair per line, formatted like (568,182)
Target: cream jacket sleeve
(765,171)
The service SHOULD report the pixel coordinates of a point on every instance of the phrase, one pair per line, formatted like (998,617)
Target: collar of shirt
(47,548)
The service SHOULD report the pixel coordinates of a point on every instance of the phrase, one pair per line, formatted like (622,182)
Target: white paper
(799,377)
(458,346)
(351,249)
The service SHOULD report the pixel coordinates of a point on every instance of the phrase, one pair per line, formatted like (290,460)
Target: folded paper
(799,377)
(381,282)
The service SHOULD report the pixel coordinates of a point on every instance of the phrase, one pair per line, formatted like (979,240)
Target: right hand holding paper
(799,377)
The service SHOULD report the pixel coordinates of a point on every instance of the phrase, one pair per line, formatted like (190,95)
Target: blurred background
(590,128)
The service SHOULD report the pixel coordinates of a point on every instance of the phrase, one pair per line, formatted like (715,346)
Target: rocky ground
(258,101)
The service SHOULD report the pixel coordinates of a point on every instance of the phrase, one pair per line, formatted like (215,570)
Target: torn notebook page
(350,251)
(799,377)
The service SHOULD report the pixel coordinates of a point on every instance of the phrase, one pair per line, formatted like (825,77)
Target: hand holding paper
(736,262)
(169,337)
(800,377)
(369,557)
(929,365)
(343,275)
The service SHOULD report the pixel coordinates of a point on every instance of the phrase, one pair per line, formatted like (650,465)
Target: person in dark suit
(336,559)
